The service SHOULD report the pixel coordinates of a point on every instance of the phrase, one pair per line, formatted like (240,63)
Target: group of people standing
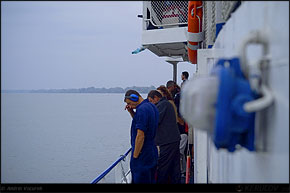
(158,134)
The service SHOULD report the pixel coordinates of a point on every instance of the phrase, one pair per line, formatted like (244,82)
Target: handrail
(101,176)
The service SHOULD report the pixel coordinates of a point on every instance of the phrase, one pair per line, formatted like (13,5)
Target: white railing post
(118,173)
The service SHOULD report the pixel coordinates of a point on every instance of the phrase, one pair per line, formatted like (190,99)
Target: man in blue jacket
(144,155)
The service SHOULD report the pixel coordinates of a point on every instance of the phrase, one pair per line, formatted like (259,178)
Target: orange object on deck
(195,34)
(187,176)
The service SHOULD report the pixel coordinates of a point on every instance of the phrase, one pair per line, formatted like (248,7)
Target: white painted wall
(242,166)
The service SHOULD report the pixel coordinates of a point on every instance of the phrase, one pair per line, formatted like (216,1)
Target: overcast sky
(53,45)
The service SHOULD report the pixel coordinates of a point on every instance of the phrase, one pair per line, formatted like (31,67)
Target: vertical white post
(129,177)
(118,173)
(206,60)
(174,61)
(200,156)
(175,71)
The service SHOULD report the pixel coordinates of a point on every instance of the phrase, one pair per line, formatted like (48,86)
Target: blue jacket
(146,119)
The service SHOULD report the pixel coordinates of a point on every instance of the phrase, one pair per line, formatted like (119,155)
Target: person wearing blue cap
(144,156)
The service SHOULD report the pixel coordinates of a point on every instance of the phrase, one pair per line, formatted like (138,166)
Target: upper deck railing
(164,14)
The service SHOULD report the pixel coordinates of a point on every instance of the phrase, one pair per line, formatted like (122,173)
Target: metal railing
(166,13)
(118,162)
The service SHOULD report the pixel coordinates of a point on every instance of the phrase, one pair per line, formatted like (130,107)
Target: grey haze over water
(70,138)
(77,44)
(61,138)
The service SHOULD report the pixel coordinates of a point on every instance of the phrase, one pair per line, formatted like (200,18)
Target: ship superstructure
(227,26)
(256,36)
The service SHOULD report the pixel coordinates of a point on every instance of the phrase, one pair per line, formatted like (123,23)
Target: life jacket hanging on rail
(195,34)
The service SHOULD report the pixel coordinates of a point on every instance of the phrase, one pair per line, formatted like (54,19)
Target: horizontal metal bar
(162,25)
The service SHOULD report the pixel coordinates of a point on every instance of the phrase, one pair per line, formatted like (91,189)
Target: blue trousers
(143,168)
(144,176)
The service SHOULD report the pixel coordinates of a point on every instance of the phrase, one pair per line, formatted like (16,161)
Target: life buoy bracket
(195,37)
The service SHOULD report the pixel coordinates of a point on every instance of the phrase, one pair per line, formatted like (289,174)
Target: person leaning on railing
(144,155)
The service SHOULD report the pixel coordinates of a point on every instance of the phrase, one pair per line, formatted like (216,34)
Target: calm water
(61,138)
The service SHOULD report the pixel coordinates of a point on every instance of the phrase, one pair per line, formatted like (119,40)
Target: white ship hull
(270,163)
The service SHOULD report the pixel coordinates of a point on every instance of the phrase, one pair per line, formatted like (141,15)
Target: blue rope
(111,167)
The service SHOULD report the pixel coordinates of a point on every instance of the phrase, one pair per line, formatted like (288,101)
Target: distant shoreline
(84,90)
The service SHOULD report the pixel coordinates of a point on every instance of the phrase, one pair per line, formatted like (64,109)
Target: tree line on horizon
(85,90)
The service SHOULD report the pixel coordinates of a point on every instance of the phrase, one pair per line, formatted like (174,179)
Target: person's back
(183,132)
(168,131)
(171,86)
(150,113)
(177,104)
(167,140)
(165,92)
